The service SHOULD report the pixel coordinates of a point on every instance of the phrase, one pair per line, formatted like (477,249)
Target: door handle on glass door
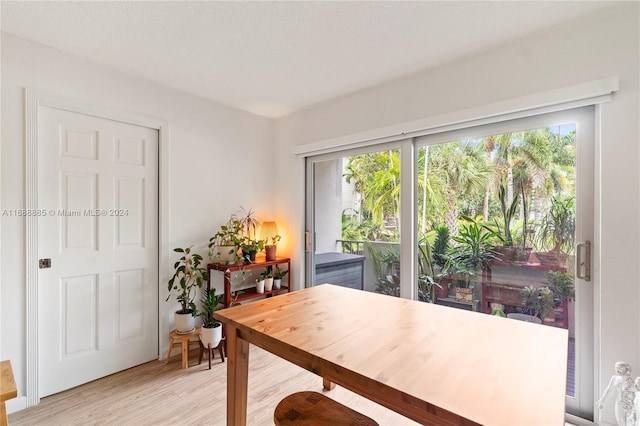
(583,261)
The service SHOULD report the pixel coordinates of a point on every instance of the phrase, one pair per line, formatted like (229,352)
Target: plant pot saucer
(186,332)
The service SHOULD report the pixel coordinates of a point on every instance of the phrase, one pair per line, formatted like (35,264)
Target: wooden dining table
(435,365)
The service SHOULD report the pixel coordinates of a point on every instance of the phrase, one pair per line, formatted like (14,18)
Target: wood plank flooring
(156,393)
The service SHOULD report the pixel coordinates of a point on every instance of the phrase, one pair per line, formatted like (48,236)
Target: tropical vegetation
(512,190)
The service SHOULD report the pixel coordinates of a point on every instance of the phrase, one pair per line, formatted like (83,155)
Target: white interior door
(98,225)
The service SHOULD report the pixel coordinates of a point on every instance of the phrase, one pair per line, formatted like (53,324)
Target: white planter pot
(226,254)
(525,317)
(277,283)
(260,286)
(211,336)
(268,284)
(185,323)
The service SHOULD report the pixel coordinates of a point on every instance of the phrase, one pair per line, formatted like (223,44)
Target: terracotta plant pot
(443,291)
(551,258)
(512,253)
(270,252)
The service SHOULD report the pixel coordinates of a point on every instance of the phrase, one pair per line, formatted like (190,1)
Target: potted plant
(427,270)
(250,245)
(270,249)
(268,280)
(269,234)
(211,333)
(224,244)
(188,275)
(562,284)
(278,275)
(267,277)
(250,248)
(427,289)
(557,231)
(507,250)
(440,250)
(539,302)
(472,256)
(260,283)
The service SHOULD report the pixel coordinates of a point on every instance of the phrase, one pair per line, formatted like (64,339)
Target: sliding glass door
(502,211)
(354,212)
(494,219)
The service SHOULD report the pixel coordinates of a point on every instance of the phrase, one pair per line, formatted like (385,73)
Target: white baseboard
(16,404)
(579,421)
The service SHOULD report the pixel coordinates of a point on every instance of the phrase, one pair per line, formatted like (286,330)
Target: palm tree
(376,177)
(383,196)
(549,161)
(464,171)
(489,145)
(505,145)
(431,189)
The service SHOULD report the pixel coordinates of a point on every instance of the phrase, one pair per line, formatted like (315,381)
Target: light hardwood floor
(156,393)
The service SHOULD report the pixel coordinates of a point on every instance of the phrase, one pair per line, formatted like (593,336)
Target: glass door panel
(355,207)
(498,220)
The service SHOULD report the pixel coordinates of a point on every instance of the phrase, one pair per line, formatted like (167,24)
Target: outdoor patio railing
(352,246)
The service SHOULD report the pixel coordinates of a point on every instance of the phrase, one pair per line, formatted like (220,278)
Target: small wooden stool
(184,340)
(8,389)
(212,351)
(315,409)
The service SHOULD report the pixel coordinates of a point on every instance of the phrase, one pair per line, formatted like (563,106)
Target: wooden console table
(248,293)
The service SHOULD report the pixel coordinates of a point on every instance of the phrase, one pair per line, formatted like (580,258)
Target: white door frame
(34,99)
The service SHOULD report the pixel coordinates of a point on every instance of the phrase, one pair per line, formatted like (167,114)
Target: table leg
(327,384)
(4,421)
(237,377)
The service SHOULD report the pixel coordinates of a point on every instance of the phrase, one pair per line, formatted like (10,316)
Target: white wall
(592,48)
(217,161)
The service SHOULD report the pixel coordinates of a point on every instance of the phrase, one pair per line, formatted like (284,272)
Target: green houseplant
(224,244)
(187,277)
(557,231)
(250,248)
(472,256)
(508,213)
(441,264)
(250,245)
(211,333)
(508,251)
(562,285)
(538,301)
(278,275)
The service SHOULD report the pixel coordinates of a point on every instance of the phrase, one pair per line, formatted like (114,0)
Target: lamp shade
(269,230)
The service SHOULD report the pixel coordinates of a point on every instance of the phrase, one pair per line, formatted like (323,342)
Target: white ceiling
(273,58)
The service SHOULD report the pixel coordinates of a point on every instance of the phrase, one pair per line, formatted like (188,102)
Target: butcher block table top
(433,364)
